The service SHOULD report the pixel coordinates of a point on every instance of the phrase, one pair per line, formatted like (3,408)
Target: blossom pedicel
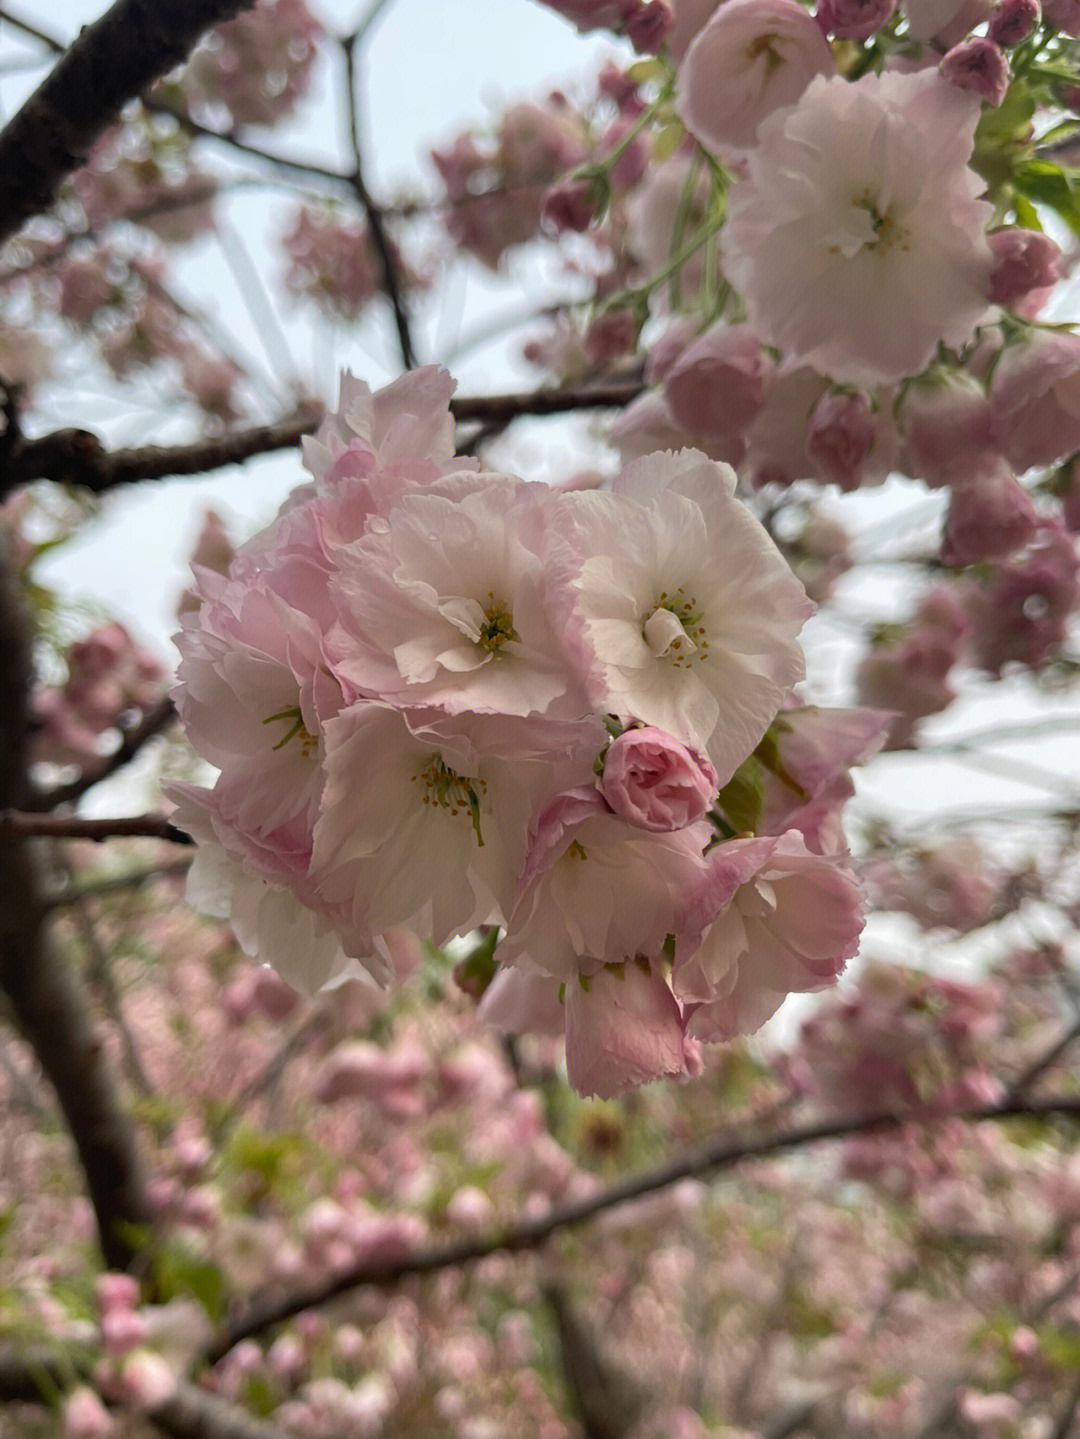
(439,698)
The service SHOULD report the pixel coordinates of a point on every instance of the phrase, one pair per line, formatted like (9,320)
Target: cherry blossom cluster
(441,698)
(255,68)
(111,680)
(333,261)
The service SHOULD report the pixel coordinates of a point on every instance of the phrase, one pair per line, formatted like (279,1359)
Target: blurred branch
(110,62)
(151,724)
(23,824)
(46,997)
(35,1372)
(530,1234)
(133,879)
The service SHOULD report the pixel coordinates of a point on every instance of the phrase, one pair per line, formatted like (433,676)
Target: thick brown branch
(44,992)
(111,62)
(528,1234)
(16,825)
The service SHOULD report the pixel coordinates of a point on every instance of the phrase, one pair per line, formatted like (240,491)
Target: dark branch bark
(46,997)
(111,62)
(17,825)
(76,457)
(529,1234)
(391,273)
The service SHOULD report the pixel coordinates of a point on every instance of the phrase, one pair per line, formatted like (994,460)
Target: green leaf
(1051,185)
(742,797)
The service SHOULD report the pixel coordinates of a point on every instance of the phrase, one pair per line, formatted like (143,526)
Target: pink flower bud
(1024,260)
(840,436)
(655,782)
(989,517)
(570,205)
(122,1330)
(945,424)
(117,1291)
(648,26)
(719,383)
(1064,15)
(854,19)
(978,64)
(1013,21)
(85,1417)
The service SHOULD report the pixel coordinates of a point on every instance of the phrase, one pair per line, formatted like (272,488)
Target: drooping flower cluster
(440,698)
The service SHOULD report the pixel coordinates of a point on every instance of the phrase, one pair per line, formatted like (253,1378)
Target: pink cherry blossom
(856,236)
(770,919)
(720,381)
(623,1028)
(684,614)
(753,57)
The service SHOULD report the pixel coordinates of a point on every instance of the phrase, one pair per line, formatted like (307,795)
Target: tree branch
(76,457)
(45,994)
(111,62)
(16,825)
(387,259)
(151,724)
(528,1234)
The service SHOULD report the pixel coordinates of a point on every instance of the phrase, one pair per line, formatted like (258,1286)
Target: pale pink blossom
(257,66)
(655,782)
(595,890)
(623,1028)
(448,603)
(684,614)
(770,919)
(856,236)
(753,57)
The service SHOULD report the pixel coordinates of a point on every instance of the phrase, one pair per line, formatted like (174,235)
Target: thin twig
(132,742)
(388,260)
(111,884)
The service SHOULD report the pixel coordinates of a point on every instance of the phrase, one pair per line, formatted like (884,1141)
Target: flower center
(309,743)
(453,792)
(498,626)
(676,628)
(763,48)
